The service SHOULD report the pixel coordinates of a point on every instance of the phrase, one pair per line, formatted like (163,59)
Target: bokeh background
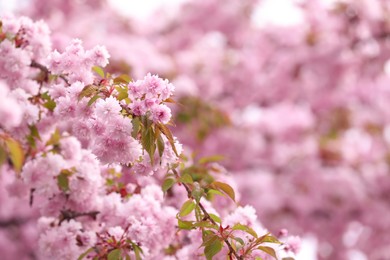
(294,94)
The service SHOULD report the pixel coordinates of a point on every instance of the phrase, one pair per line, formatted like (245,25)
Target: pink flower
(107,108)
(161,113)
(135,90)
(138,107)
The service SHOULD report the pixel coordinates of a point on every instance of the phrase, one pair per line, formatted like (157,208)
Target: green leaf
(268,250)
(136,127)
(245,228)
(15,152)
(209,239)
(3,155)
(271,239)
(239,240)
(125,79)
(98,71)
(209,159)
(165,130)
(114,255)
(215,218)
(34,134)
(187,208)
(88,91)
(212,249)
(187,225)
(83,255)
(137,251)
(167,184)
(93,99)
(63,181)
(148,143)
(50,104)
(170,100)
(186,178)
(226,188)
(122,93)
(267,238)
(160,145)
(205,224)
(215,192)
(54,138)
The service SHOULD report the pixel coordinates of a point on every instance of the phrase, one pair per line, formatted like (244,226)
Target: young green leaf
(239,240)
(148,143)
(137,251)
(205,224)
(88,91)
(186,178)
(267,238)
(34,132)
(226,188)
(212,249)
(187,208)
(93,99)
(160,145)
(98,70)
(54,138)
(245,228)
(209,159)
(209,239)
(271,239)
(136,127)
(215,218)
(83,255)
(215,192)
(187,225)
(125,79)
(122,93)
(167,184)
(63,180)
(114,255)
(165,130)
(15,152)
(50,105)
(268,250)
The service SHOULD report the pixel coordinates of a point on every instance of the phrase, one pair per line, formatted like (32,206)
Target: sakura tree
(91,170)
(298,111)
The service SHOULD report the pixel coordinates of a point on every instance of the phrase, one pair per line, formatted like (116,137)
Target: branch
(207,216)
(12,222)
(45,70)
(70,214)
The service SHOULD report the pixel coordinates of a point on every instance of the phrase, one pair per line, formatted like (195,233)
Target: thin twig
(70,214)
(45,70)
(207,216)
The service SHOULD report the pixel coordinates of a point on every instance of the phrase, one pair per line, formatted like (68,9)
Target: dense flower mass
(88,164)
(299,110)
(148,95)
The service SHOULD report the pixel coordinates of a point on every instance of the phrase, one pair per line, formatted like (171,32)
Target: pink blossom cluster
(148,95)
(78,186)
(75,62)
(21,41)
(308,104)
